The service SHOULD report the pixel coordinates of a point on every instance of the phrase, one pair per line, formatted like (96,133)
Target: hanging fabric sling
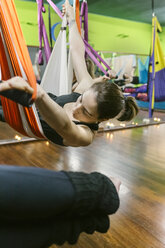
(58,75)
(77,7)
(84,19)
(42,34)
(96,58)
(15,61)
(156,83)
(55,78)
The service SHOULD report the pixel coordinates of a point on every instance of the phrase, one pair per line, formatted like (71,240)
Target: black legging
(39,207)
(28,193)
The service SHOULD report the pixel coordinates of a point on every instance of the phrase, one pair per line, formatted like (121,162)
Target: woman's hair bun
(131,109)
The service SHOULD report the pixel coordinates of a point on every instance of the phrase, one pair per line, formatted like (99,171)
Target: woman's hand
(105,78)
(112,74)
(68,10)
(101,79)
(17,90)
(12,90)
(17,83)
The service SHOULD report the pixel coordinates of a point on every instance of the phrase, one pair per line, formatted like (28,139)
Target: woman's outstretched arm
(77,49)
(55,116)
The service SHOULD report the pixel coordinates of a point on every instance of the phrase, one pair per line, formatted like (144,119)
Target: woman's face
(85,109)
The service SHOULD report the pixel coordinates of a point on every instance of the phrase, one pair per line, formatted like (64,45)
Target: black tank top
(50,133)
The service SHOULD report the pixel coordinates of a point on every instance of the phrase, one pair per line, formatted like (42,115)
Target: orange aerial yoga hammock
(15,61)
(78,15)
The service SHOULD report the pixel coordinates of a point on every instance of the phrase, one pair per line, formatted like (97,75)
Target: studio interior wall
(105,33)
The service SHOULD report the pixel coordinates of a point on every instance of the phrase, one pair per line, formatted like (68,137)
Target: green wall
(28,16)
(112,34)
(105,33)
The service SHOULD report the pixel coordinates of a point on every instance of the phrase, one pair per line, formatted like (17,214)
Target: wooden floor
(137,157)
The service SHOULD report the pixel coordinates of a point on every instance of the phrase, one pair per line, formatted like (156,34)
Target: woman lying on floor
(41,207)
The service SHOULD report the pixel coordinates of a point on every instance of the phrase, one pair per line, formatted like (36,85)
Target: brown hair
(130,109)
(111,102)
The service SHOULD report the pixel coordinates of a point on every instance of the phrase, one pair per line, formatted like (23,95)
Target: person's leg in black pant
(39,207)
(42,234)
(29,193)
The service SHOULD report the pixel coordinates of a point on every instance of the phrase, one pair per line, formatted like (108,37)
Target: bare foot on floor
(116,182)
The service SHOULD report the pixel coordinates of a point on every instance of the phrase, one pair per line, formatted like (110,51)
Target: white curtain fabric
(124,64)
(55,78)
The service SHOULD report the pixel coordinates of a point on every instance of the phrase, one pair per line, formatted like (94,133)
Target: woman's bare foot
(116,182)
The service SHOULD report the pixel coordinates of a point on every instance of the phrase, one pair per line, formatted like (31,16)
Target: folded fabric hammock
(139,88)
(142,97)
(156,83)
(15,61)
